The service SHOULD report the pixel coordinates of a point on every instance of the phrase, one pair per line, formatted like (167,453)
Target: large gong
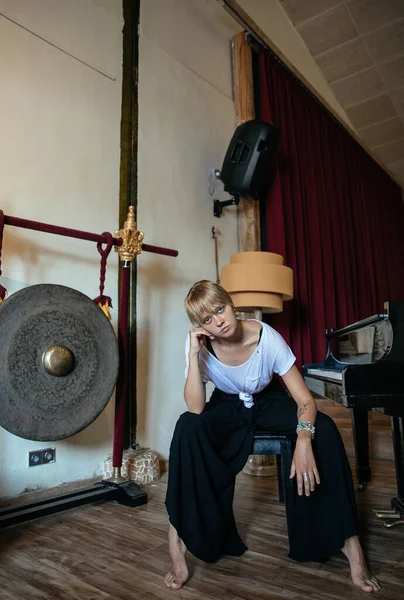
(58,362)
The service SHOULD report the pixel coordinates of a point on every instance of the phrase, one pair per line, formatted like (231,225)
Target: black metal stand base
(127,493)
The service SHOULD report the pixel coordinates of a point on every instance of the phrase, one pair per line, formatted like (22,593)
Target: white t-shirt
(272,355)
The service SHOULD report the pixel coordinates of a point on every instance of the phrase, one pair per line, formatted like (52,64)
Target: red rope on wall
(104,302)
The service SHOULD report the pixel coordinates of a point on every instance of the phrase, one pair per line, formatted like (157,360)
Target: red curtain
(332,212)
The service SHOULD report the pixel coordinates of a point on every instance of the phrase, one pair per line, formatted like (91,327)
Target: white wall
(186,120)
(59,163)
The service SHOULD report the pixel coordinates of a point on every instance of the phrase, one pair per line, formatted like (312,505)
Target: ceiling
(359,46)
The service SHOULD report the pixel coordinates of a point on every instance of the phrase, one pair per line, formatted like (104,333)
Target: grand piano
(364,369)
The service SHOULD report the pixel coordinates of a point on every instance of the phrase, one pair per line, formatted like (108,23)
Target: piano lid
(366,345)
(364,362)
(374,339)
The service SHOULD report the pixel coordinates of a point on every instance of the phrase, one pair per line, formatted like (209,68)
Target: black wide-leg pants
(208,450)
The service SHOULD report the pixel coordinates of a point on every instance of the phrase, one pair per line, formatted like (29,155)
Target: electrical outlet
(49,455)
(41,457)
(35,458)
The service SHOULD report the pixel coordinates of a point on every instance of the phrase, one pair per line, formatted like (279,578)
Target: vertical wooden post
(248,214)
(248,210)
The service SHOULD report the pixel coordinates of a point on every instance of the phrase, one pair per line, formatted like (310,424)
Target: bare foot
(178,575)
(359,570)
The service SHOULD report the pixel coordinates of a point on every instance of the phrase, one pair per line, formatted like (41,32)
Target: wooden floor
(110,552)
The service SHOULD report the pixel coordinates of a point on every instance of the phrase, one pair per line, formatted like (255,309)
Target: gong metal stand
(128,242)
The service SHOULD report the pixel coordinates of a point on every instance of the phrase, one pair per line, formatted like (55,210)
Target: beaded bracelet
(307,426)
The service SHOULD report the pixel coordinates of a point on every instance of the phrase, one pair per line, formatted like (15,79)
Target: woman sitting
(212,441)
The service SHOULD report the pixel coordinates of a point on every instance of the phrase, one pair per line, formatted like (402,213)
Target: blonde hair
(204,298)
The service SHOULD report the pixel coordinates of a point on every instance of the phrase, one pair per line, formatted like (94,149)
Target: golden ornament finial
(105,309)
(131,238)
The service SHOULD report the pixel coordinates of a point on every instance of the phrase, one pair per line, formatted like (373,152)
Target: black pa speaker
(246,166)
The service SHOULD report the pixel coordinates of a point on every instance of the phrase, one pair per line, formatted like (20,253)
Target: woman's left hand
(304,466)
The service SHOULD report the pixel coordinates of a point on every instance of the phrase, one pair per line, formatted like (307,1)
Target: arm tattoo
(302,410)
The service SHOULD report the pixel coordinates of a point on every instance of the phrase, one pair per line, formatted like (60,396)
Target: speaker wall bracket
(218,205)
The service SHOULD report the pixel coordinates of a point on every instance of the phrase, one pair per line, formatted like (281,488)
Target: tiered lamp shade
(258,280)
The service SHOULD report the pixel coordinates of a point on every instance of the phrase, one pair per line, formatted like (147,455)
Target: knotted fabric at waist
(273,389)
(247,399)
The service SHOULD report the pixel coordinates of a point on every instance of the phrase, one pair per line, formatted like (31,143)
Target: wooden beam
(248,210)
(235,10)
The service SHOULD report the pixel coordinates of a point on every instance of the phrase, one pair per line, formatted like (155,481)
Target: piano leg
(396,515)
(361,440)
(397,426)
